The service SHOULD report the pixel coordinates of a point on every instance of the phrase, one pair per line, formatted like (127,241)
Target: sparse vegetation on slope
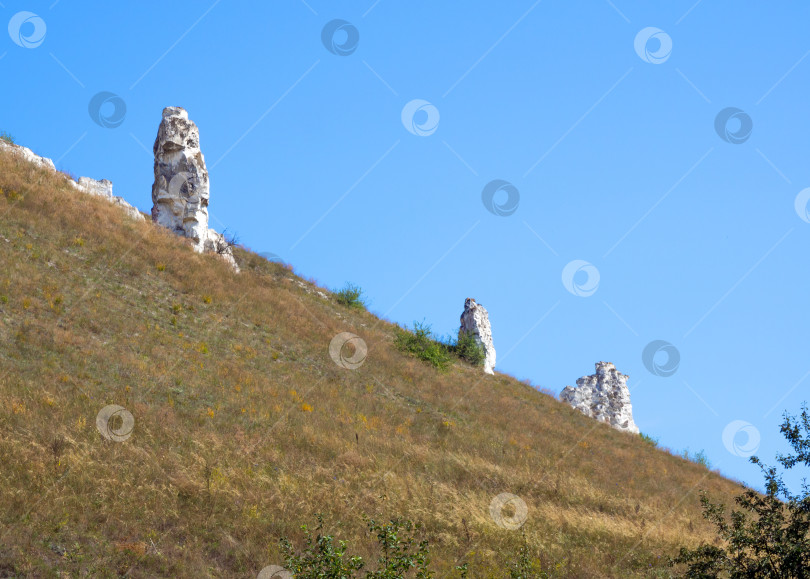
(421,343)
(245,427)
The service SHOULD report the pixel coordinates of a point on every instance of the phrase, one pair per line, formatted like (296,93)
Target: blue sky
(611,152)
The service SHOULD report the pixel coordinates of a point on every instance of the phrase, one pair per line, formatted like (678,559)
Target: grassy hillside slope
(245,428)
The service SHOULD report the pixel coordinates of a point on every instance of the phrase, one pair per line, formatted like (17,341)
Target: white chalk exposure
(475,321)
(181,190)
(603,396)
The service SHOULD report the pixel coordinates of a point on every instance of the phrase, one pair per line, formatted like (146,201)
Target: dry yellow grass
(245,427)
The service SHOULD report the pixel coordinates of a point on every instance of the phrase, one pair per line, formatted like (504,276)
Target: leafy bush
(351,296)
(770,535)
(469,349)
(7,138)
(399,550)
(400,554)
(320,558)
(423,344)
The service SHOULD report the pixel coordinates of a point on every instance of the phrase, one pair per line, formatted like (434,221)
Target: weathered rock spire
(475,321)
(181,190)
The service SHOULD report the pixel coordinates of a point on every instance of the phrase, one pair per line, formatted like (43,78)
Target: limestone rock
(104,188)
(28,155)
(180,192)
(603,396)
(101,188)
(475,321)
(216,243)
(181,189)
(129,209)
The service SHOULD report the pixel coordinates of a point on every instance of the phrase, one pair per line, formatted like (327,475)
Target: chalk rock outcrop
(603,396)
(475,321)
(28,155)
(101,188)
(181,190)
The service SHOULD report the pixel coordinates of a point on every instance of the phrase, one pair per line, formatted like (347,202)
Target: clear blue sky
(613,152)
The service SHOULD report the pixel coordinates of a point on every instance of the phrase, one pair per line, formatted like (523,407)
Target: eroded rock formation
(181,190)
(475,321)
(603,396)
(101,188)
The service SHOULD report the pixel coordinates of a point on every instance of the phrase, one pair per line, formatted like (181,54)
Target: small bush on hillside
(320,557)
(423,344)
(7,138)
(351,296)
(469,349)
(402,554)
(400,551)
